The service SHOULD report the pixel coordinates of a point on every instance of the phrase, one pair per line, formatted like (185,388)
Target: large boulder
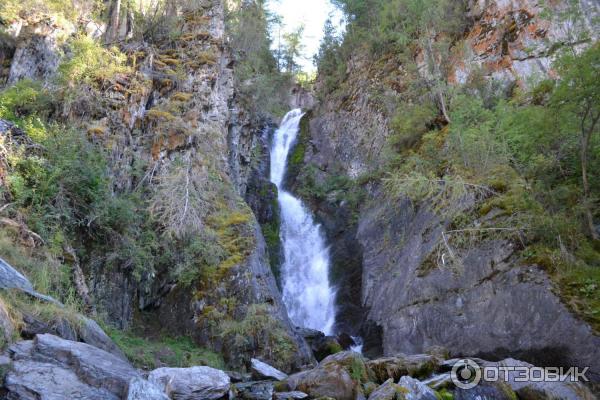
(418,366)
(32,380)
(261,370)
(141,389)
(94,366)
(337,376)
(325,381)
(193,383)
(49,367)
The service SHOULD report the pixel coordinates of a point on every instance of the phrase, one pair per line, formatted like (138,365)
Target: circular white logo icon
(466,374)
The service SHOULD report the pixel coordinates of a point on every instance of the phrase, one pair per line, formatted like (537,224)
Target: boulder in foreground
(191,383)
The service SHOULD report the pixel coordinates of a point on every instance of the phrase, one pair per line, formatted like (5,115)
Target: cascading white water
(305,271)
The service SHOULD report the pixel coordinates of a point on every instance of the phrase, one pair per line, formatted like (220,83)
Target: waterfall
(307,293)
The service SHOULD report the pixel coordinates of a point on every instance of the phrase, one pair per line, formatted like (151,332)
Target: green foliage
(410,123)
(24,99)
(11,10)
(90,63)
(358,370)
(292,49)
(149,354)
(444,394)
(259,330)
(260,85)
(473,134)
(271,232)
(45,273)
(383,28)
(331,67)
(63,190)
(520,162)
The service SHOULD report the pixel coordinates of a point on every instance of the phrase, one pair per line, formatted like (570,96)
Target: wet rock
(191,383)
(291,396)
(321,345)
(346,341)
(141,389)
(254,390)
(420,366)
(416,390)
(263,370)
(387,391)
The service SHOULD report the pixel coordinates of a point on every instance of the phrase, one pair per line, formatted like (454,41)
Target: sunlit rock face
(517,40)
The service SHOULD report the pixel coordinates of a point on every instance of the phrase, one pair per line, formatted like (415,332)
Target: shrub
(410,123)
(260,332)
(88,62)
(24,98)
(11,10)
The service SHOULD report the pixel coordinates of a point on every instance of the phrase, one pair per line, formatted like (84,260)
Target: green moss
(149,354)
(358,370)
(444,394)
(298,152)
(234,234)
(271,232)
(159,115)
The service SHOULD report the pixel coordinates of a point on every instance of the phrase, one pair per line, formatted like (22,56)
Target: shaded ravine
(307,292)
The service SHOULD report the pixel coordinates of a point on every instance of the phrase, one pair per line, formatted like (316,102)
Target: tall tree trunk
(586,134)
(112,30)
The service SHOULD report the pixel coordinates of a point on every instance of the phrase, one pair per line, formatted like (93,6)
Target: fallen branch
(79,278)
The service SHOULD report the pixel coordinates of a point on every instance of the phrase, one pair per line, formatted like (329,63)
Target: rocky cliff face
(495,305)
(516,41)
(175,121)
